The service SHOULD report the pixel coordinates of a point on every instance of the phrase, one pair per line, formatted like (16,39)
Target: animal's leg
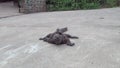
(48,36)
(69,36)
(69,43)
(44,39)
(49,40)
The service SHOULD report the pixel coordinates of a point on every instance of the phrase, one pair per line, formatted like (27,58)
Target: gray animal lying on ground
(59,37)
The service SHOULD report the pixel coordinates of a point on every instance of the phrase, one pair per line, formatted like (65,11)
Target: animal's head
(62,30)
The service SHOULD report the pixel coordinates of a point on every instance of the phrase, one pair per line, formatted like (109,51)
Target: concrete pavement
(98,45)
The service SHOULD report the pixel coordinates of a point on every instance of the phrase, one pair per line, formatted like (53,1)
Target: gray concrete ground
(98,45)
(7,9)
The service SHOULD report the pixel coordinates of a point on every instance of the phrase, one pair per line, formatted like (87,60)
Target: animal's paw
(41,39)
(72,44)
(75,37)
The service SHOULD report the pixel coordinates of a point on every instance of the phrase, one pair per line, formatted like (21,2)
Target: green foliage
(111,3)
(54,5)
(90,4)
(62,5)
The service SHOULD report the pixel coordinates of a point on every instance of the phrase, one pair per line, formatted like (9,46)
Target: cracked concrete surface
(98,45)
